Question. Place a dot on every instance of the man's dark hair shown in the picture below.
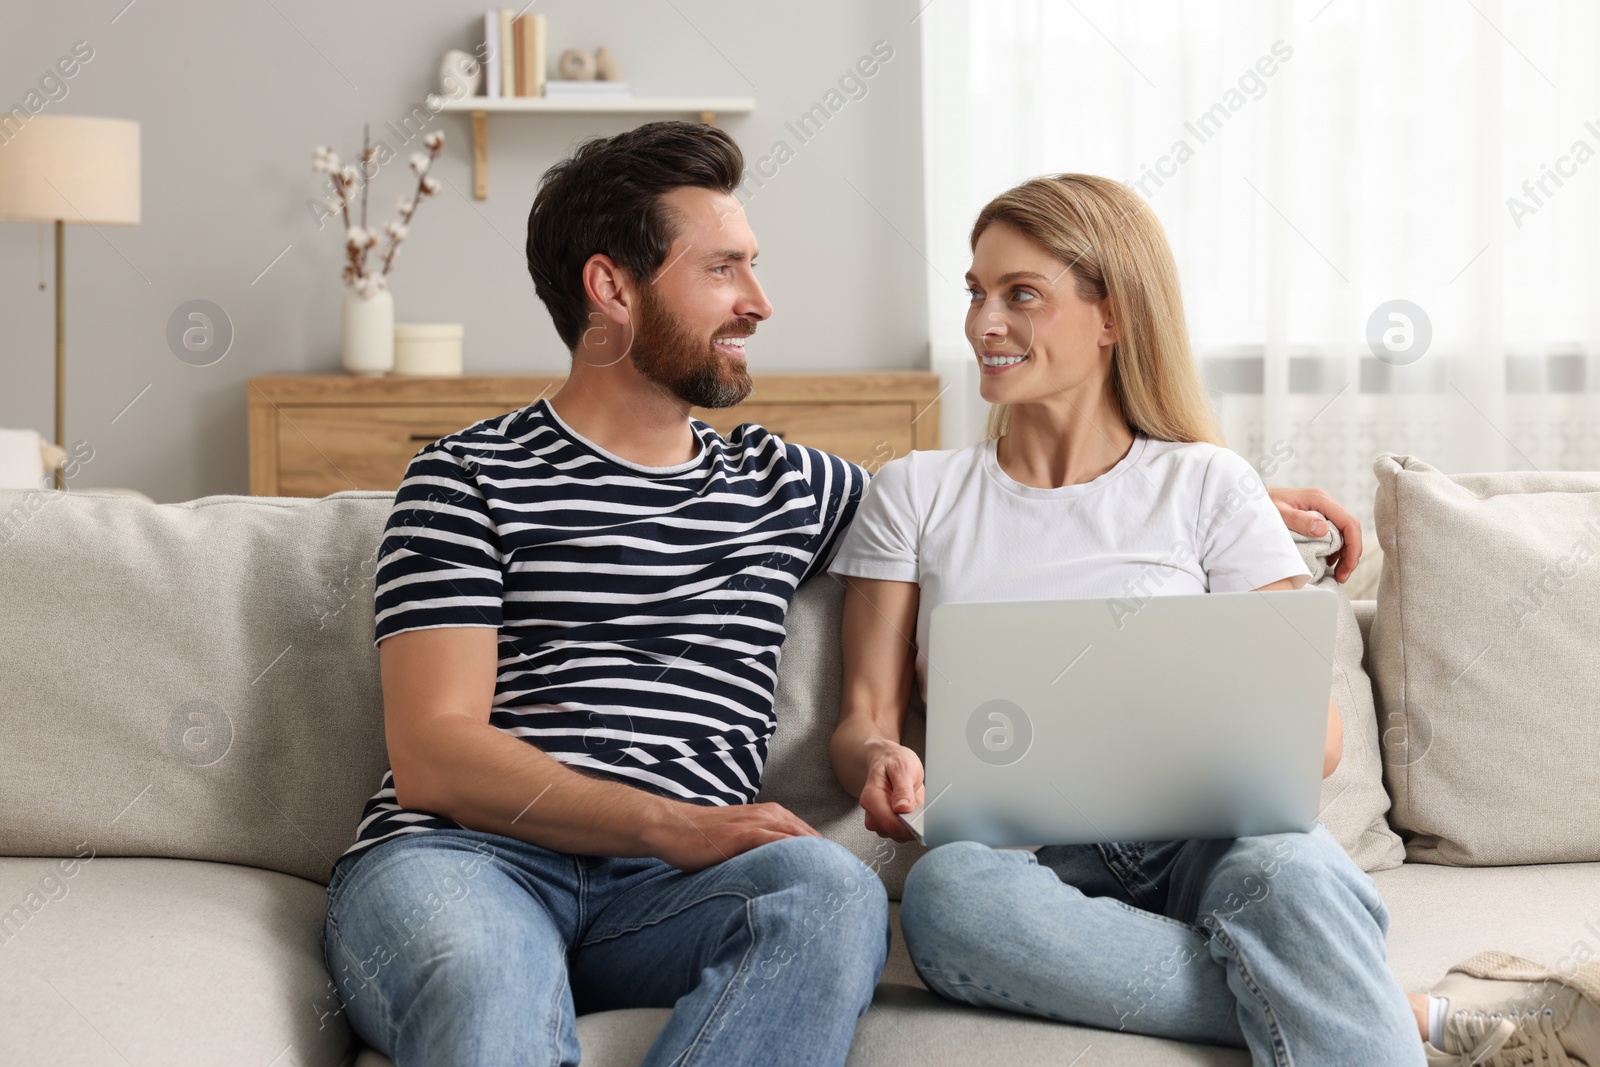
(606, 199)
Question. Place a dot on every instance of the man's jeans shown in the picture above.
(460, 947)
(1271, 943)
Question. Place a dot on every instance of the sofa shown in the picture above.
(192, 723)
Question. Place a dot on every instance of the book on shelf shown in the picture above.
(508, 52)
(590, 90)
(491, 53)
(530, 34)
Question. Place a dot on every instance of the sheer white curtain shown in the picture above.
(1311, 162)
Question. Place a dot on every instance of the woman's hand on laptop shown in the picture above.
(893, 787)
(1304, 511)
(879, 676)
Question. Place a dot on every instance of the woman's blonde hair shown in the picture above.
(1114, 246)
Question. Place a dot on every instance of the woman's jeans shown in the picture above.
(1271, 943)
(460, 947)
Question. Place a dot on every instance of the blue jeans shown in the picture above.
(461, 947)
(1271, 943)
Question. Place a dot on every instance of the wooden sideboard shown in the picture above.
(311, 435)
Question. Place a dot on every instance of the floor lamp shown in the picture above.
(68, 168)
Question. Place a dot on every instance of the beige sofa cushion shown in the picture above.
(191, 680)
(1354, 802)
(1486, 657)
(144, 961)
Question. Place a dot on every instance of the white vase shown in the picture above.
(368, 333)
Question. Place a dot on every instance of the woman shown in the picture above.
(1103, 472)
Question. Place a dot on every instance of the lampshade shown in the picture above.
(71, 167)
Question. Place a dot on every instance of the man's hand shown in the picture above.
(697, 836)
(893, 788)
(1299, 508)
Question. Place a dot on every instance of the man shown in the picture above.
(580, 606)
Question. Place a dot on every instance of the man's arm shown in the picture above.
(438, 688)
(1296, 507)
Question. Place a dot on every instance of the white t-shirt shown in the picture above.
(1169, 518)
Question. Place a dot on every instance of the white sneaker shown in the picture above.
(1506, 1011)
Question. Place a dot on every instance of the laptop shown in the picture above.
(1094, 720)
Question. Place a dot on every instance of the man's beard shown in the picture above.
(667, 352)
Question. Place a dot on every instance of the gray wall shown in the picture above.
(233, 97)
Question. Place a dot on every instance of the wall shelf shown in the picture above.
(706, 107)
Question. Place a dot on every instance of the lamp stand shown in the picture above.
(61, 343)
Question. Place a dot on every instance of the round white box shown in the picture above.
(427, 349)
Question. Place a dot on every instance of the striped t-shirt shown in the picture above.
(640, 609)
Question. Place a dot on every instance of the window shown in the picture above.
(1312, 163)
